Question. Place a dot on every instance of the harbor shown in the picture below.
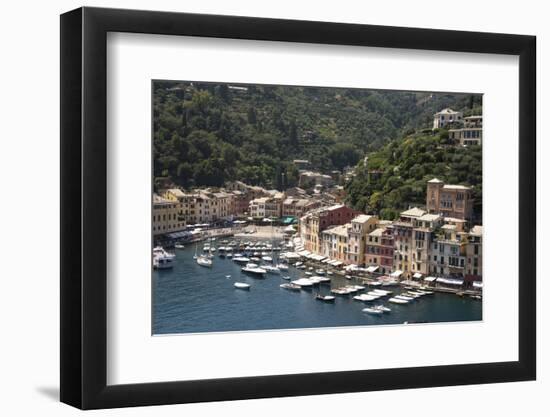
(250, 284)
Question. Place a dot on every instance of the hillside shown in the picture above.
(395, 177)
(206, 133)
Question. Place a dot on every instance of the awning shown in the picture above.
(430, 279)
(266, 220)
(326, 261)
(450, 281)
(477, 284)
(396, 274)
(372, 268)
(336, 263)
(417, 275)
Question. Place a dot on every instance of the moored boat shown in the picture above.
(325, 298)
(290, 286)
(373, 311)
(204, 261)
(241, 285)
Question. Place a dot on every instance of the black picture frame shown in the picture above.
(84, 207)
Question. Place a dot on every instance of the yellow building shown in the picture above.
(166, 218)
(358, 231)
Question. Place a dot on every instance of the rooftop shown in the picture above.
(338, 230)
(176, 192)
(413, 212)
(429, 217)
(377, 232)
(455, 187)
(447, 111)
(362, 218)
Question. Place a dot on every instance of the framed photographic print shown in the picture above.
(257, 208)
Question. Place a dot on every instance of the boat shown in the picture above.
(309, 274)
(228, 276)
(303, 283)
(320, 272)
(321, 280)
(365, 297)
(179, 246)
(254, 269)
(240, 259)
(271, 269)
(161, 262)
(290, 286)
(204, 261)
(396, 300)
(286, 277)
(241, 285)
(404, 297)
(325, 298)
(329, 272)
(159, 250)
(373, 311)
(375, 283)
(348, 276)
(162, 259)
(282, 267)
(383, 308)
(298, 264)
(340, 291)
(382, 292)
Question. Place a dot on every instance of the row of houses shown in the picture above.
(419, 243)
(174, 209)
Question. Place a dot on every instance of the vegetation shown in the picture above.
(206, 133)
(395, 177)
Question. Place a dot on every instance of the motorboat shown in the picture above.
(162, 259)
(340, 291)
(365, 297)
(286, 277)
(159, 250)
(290, 286)
(282, 267)
(303, 282)
(271, 269)
(204, 261)
(325, 298)
(321, 280)
(383, 308)
(329, 272)
(254, 269)
(382, 292)
(373, 311)
(179, 246)
(396, 300)
(375, 283)
(241, 285)
(240, 259)
(162, 262)
(320, 272)
(309, 274)
(404, 297)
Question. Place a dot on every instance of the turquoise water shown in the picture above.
(190, 299)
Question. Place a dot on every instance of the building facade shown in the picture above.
(446, 117)
(449, 200)
(359, 229)
(166, 218)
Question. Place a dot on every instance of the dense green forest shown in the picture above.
(395, 176)
(207, 133)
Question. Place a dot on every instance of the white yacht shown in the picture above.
(254, 269)
(282, 267)
(241, 285)
(240, 259)
(204, 261)
(373, 311)
(271, 269)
